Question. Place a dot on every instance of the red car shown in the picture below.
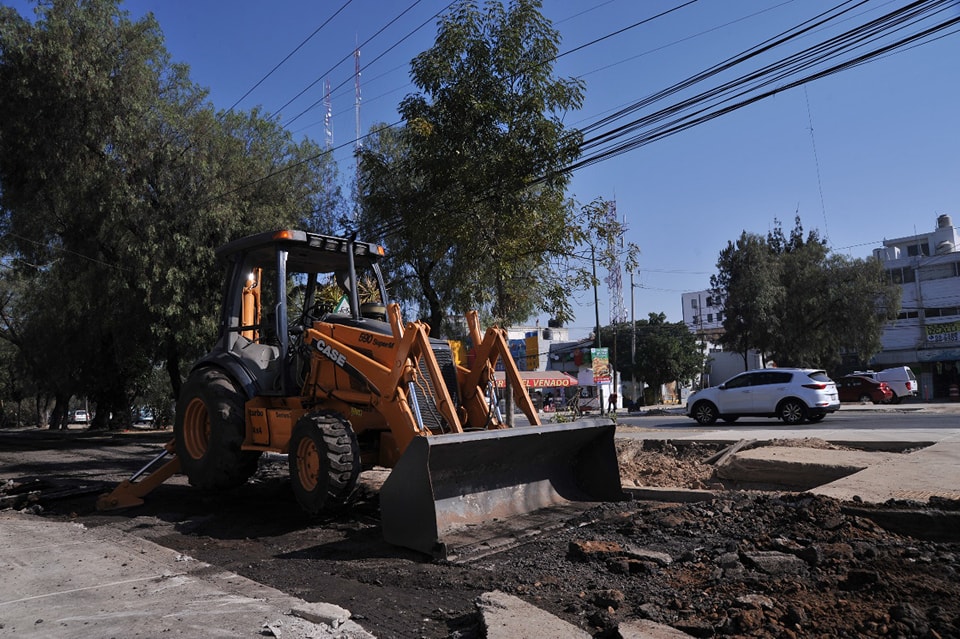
(854, 388)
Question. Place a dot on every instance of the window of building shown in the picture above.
(902, 275)
(943, 311)
(693, 302)
(938, 271)
(921, 248)
(709, 318)
(908, 315)
(709, 301)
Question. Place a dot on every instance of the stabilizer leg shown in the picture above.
(131, 492)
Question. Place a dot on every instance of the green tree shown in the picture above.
(790, 298)
(666, 351)
(469, 194)
(117, 182)
(747, 286)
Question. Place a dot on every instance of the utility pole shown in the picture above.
(596, 309)
(633, 344)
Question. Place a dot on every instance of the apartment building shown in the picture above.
(926, 334)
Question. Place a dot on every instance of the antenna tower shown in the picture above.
(618, 313)
(327, 115)
(356, 75)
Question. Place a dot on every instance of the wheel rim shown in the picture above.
(704, 414)
(865, 399)
(308, 464)
(792, 413)
(196, 428)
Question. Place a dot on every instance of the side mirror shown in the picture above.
(722, 387)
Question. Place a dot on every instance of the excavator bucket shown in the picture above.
(447, 489)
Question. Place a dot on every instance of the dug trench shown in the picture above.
(736, 560)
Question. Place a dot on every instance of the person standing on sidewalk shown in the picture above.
(612, 405)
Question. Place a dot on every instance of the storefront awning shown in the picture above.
(539, 379)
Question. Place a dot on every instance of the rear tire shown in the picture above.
(705, 413)
(209, 431)
(896, 399)
(792, 411)
(324, 459)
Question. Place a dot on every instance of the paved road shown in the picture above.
(935, 418)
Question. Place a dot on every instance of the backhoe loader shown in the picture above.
(312, 361)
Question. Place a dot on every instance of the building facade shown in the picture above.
(703, 315)
(926, 334)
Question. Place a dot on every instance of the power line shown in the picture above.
(289, 55)
(737, 94)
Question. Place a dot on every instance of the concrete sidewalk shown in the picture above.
(66, 580)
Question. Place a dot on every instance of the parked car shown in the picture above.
(80, 417)
(900, 379)
(857, 388)
(793, 395)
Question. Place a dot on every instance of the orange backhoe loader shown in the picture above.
(313, 362)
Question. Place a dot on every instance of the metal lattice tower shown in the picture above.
(356, 71)
(327, 115)
(618, 313)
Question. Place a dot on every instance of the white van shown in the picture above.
(900, 379)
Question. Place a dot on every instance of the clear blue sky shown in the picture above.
(862, 155)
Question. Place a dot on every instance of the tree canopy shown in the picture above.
(468, 194)
(791, 299)
(118, 179)
(665, 351)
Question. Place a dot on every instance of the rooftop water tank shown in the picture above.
(944, 221)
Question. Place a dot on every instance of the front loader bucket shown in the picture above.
(446, 484)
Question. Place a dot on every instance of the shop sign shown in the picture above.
(601, 365)
(947, 332)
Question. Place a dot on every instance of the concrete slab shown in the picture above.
(65, 580)
(507, 617)
(933, 471)
(797, 467)
(645, 629)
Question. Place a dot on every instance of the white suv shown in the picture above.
(791, 394)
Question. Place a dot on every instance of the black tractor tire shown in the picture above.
(209, 431)
(792, 411)
(705, 413)
(324, 459)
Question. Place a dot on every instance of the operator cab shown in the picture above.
(278, 284)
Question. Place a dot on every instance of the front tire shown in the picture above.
(705, 413)
(324, 459)
(866, 399)
(792, 411)
(209, 432)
